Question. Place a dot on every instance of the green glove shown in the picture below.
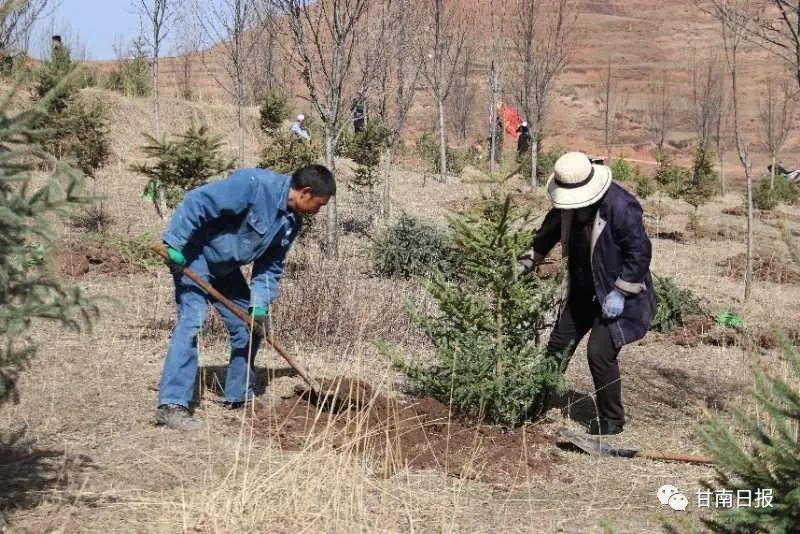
(260, 318)
(176, 256)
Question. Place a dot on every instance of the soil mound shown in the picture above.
(766, 267)
(423, 434)
(92, 257)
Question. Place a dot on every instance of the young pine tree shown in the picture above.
(72, 129)
(490, 362)
(767, 457)
(28, 291)
(190, 161)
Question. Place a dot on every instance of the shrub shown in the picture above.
(80, 135)
(486, 329)
(94, 219)
(71, 128)
(410, 247)
(673, 304)
(274, 110)
(645, 185)
(182, 164)
(428, 151)
(545, 163)
(670, 178)
(131, 76)
(285, 153)
(767, 198)
(53, 79)
(622, 171)
(705, 180)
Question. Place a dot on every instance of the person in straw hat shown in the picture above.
(609, 292)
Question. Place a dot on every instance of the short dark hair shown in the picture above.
(317, 177)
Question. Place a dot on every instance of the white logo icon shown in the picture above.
(678, 502)
(665, 492)
(670, 495)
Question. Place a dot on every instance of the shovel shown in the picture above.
(316, 388)
(596, 446)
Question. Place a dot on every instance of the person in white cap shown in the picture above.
(523, 140)
(609, 288)
(297, 128)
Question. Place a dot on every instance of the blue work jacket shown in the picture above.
(241, 219)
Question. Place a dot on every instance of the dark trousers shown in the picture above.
(582, 314)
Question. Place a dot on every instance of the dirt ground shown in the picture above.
(81, 453)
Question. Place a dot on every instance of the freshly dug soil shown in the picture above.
(693, 331)
(92, 257)
(764, 215)
(766, 267)
(423, 434)
(673, 235)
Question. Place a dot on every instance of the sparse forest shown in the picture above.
(419, 292)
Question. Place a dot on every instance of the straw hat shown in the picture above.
(576, 183)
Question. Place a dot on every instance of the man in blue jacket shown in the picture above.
(252, 216)
(609, 291)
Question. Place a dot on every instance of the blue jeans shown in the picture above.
(180, 366)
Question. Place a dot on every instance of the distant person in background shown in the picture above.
(297, 128)
(523, 140)
(358, 111)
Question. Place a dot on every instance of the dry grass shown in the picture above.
(102, 466)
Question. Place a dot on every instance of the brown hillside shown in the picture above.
(640, 37)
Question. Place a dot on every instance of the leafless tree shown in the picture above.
(777, 115)
(265, 70)
(614, 102)
(733, 17)
(403, 68)
(157, 17)
(497, 59)
(324, 35)
(462, 96)
(543, 40)
(16, 25)
(721, 128)
(660, 109)
(707, 83)
(443, 42)
(235, 27)
(189, 42)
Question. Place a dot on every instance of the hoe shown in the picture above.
(327, 395)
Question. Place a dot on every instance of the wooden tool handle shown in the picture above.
(674, 457)
(159, 249)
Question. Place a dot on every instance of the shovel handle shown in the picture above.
(159, 249)
(674, 457)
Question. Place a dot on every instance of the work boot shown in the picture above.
(176, 417)
(604, 427)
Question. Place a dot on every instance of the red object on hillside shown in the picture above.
(511, 120)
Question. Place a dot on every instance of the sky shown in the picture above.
(95, 24)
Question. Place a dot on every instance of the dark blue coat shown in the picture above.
(620, 254)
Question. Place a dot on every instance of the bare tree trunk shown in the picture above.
(332, 234)
(240, 119)
(772, 172)
(534, 161)
(386, 204)
(721, 171)
(442, 142)
(748, 273)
